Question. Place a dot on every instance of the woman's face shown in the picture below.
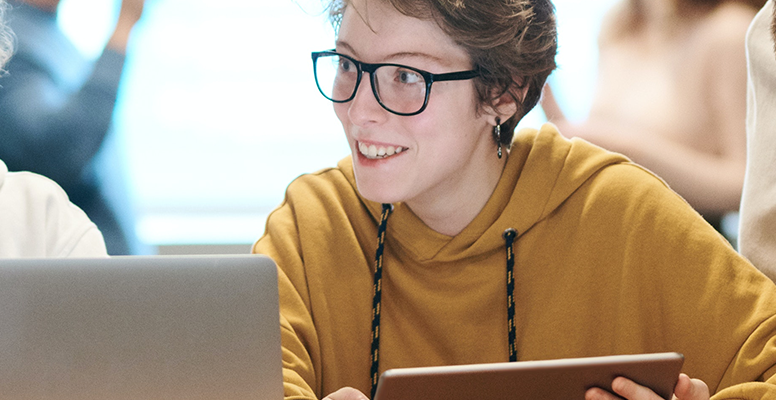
(444, 149)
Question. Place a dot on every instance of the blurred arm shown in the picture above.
(51, 132)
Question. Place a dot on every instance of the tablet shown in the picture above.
(563, 379)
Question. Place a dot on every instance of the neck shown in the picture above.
(658, 13)
(659, 20)
(450, 209)
(657, 10)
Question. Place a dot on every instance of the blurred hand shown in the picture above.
(131, 11)
(346, 393)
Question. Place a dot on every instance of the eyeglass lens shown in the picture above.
(401, 90)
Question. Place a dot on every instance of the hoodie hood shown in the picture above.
(543, 170)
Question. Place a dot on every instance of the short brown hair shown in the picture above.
(512, 43)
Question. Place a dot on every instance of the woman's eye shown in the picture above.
(346, 65)
(408, 76)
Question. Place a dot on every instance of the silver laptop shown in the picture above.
(197, 327)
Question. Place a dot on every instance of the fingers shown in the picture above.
(346, 393)
(599, 394)
(690, 389)
(625, 388)
(686, 389)
(631, 390)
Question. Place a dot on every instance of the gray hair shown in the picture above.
(6, 38)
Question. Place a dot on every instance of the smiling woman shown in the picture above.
(471, 245)
(447, 145)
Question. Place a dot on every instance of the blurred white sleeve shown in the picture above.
(757, 237)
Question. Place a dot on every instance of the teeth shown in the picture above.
(374, 152)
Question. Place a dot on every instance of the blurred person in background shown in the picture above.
(36, 217)
(56, 109)
(758, 205)
(671, 95)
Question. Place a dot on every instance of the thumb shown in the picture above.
(346, 393)
(690, 389)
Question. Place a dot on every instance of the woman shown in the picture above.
(671, 95)
(546, 249)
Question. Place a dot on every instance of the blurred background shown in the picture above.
(218, 109)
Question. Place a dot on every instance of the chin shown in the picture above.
(381, 193)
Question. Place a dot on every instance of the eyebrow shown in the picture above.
(404, 54)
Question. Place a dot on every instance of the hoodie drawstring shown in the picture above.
(376, 296)
(509, 239)
(509, 236)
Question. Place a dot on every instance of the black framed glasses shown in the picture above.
(398, 88)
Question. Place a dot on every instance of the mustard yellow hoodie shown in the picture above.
(608, 260)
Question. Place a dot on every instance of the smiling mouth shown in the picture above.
(377, 152)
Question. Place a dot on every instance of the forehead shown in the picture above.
(375, 31)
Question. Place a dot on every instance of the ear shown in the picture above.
(504, 107)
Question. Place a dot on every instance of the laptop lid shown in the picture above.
(163, 327)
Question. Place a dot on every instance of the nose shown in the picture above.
(364, 108)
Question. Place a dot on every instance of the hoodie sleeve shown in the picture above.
(700, 294)
(756, 353)
(298, 335)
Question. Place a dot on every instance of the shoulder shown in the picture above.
(635, 197)
(325, 184)
(631, 182)
(720, 45)
(733, 12)
(317, 207)
(39, 220)
(331, 192)
(726, 25)
(30, 189)
(629, 205)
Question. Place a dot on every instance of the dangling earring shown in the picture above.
(497, 134)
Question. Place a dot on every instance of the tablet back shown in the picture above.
(564, 379)
(203, 327)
